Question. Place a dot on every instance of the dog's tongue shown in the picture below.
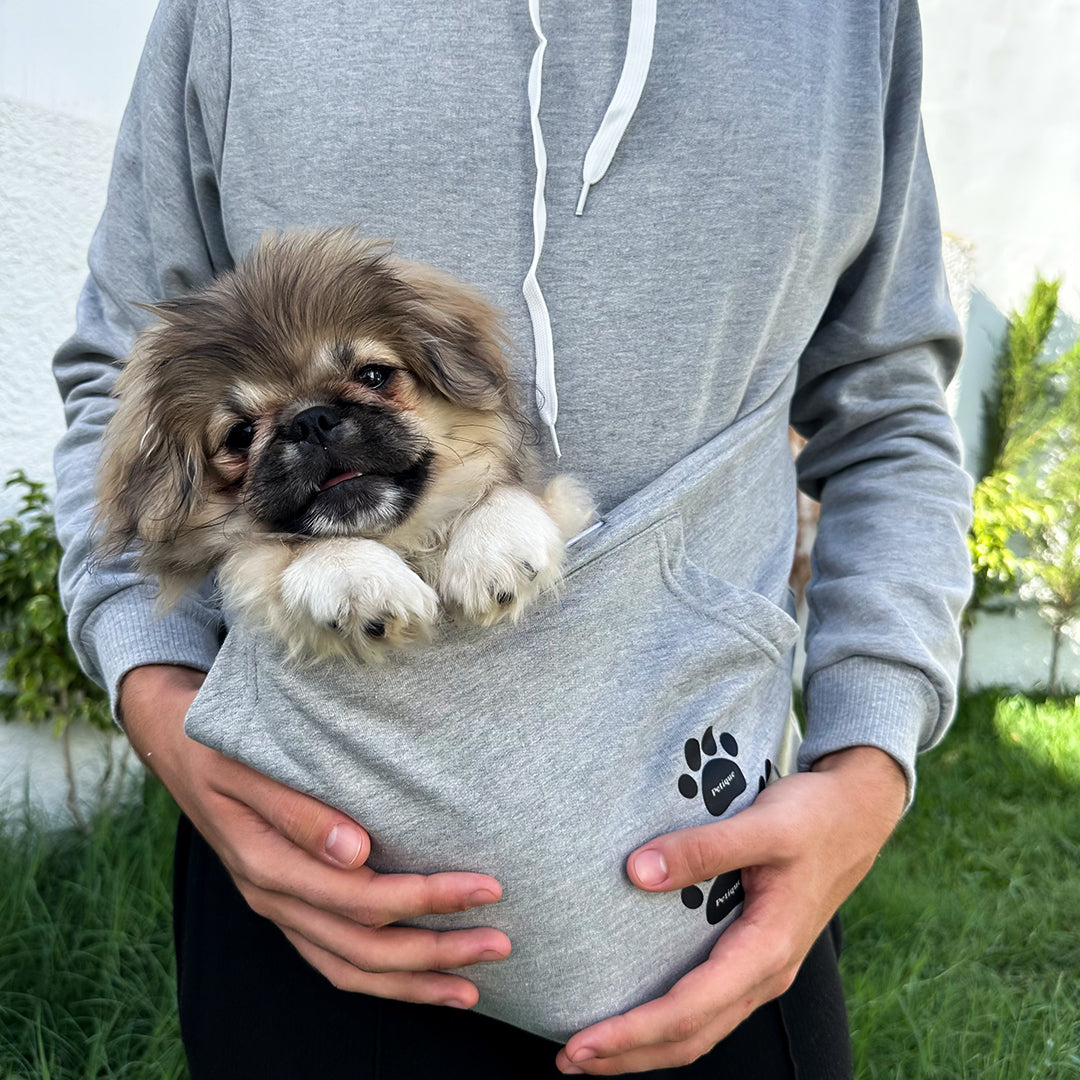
(338, 479)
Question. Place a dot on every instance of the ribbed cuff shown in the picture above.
(127, 630)
(863, 701)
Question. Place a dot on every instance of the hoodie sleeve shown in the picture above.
(160, 234)
(890, 564)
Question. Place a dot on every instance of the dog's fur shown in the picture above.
(335, 431)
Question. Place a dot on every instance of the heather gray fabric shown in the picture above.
(545, 752)
(766, 238)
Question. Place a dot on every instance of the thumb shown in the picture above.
(681, 858)
(320, 830)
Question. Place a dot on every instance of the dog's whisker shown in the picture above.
(451, 449)
(477, 445)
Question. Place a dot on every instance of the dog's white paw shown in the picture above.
(502, 554)
(358, 593)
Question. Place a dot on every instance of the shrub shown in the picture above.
(44, 681)
(1026, 532)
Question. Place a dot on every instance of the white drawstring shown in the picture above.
(624, 101)
(601, 150)
(547, 400)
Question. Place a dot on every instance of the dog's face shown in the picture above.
(340, 447)
(320, 389)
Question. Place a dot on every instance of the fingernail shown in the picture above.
(572, 1070)
(586, 1053)
(454, 1003)
(344, 844)
(492, 954)
(481, 896)
(650, 867)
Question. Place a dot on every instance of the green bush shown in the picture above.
(1025, 538)
(44, 681)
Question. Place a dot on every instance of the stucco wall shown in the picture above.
(1002, 117)
(54, 171)
(65, 70)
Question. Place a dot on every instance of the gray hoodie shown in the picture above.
(764, 245)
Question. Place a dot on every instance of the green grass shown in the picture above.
(86, 966)
(963, 945)
(962, 956)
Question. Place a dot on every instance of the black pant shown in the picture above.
(251, 1007)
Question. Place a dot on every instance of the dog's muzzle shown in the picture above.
(340, 470)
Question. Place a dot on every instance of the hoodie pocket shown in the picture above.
(748, 614)
(543, 753)
(750, 617)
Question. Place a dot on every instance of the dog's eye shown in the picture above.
(239, 438)
(374, 375)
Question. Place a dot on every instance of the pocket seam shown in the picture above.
(603, 553)
(673, 557)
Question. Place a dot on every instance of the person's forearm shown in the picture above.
(160, 232)
(151, 703)
(891, 570)
(877, 783)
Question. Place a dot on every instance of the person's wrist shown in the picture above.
(154, 698)
(143, 682)
(875, 779)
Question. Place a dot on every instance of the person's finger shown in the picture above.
(753, 961)
(425, 988)
(677, 859)
(392, 948)
(660, 1056)
(310, 824)
(366, 897)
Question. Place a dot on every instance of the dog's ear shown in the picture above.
(462, 346)
(150, 482)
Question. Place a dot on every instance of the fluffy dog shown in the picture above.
(335, 432)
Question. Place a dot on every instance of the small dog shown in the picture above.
(334, 431)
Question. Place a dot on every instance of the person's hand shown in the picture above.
(803, 846)
(300, 863)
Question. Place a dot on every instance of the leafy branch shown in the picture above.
(44, 683)
(1026, 531)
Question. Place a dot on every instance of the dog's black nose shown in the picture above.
(313, 425)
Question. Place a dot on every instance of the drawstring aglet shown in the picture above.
(554, 439)
(581, 200)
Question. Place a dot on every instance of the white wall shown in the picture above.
(65, 70)
(1013, 647)
(53, 171)
(72, 57)
(1001, 108)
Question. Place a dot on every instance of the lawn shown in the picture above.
(86, 966)
(963, 945)
(962, 957)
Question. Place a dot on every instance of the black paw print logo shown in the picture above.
(722, 781)
(724, 897)
(770, 772)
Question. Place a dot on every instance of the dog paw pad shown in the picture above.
(692, 897)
